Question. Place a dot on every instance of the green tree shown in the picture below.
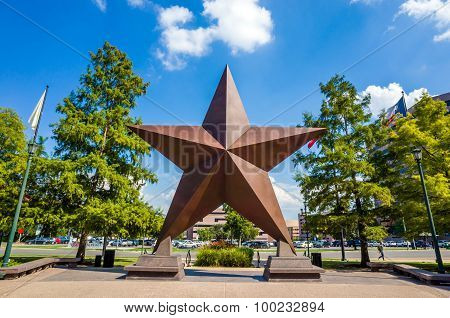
(218, 232)
(145, 221)
(13, 157)
(37, 207)
(429, 129)
(101, 158)
(205, 234)
(338, 178)
(239, 227)
(376, 233)
(42, 204)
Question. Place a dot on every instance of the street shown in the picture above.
(391, 254)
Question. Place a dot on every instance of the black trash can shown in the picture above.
(316, 259)
(109, 258)
(98, 261)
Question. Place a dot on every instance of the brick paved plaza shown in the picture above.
(201, 283)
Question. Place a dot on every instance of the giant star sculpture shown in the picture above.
(225, 161)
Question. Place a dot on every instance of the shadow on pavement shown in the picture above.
(220, 275)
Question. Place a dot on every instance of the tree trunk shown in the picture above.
(105, 242)
(342, 245)
(81, 252)
(364, 248)
(361, 229)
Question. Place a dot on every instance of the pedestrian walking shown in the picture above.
(380, 248)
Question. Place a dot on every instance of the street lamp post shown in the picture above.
(307, 232)
(417, 152)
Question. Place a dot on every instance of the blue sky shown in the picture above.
(278, 51)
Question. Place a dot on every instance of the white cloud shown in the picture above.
(241, 24)
(179, 41)
(442, 37)
(101, 4)
(289, 198)
(159, 196)
(385, 97)
(438, 9)
(136, 3)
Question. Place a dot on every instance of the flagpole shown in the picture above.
(31, 149)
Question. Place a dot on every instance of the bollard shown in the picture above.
(98, 261)
(109, 258)
(316, 259)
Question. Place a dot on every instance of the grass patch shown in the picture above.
(352, 265)
(432, 267)
(13, 261)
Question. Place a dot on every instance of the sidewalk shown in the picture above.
(213, 283)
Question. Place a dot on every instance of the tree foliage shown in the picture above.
(215, 232)
(428, 128)
(101, 158)
(338, 177)
(13, 156)
(240, 228)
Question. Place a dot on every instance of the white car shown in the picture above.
(186, 244)
(404, 244)
(303, 244)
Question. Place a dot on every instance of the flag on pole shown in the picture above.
(34, 118)
(398, 109)
(311, 143)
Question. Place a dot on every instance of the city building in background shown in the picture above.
(218, 217)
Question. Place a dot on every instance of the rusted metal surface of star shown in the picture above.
(225, 161)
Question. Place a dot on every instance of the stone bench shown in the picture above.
(34, 266)
(156, 267)
(291, 268)
(423, 275)
(376, 266)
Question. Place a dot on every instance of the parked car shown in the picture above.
(303, 244)
(258, 244)
(422, 244)
(150, 242)
(115, 243)
(41, 241)
(187, 244)
(127, 243)
(337, 243)
(317, 244)
(63, 239)
(442, 243)
(390, 244)
(354, 243)
(404, 244)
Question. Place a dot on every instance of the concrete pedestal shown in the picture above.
(291, 268)
(156, 267)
